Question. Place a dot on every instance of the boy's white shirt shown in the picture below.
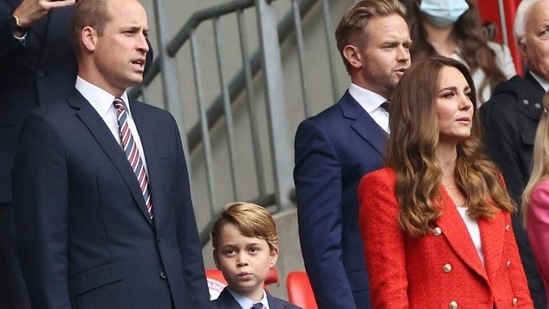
(247, 303)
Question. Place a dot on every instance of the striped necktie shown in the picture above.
(132, 153)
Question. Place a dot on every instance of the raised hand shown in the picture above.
(30, 11)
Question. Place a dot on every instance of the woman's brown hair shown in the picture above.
(412, 152)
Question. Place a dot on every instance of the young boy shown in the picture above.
(245, 245)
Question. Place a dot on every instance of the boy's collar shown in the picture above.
(245, 302)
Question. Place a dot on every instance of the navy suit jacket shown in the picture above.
(333, 150)
(84, 236)
(37, 74)
(227, 301)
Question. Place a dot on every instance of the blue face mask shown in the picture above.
(443, 13)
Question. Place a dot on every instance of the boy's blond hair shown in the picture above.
(251, 220)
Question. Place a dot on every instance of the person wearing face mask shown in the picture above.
(453, 29)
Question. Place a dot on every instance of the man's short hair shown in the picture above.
(523, 11)
(93, 13)
(352, 26)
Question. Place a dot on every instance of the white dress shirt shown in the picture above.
(247, 303)
(102, 102)
(371, 103)
(543, 83)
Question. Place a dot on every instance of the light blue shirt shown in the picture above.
(247, 303)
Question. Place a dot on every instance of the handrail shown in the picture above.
(277, 33)
(238, 83)
(206, 14)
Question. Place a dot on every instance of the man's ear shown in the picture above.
(353, 56)
(88, 36)
(523, 49)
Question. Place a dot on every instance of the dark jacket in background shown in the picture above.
(510, 119)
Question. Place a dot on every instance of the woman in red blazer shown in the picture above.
(436, 221)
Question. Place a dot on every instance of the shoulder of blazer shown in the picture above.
(225, 301)
(346, 107)
(277, 303)
(350, 107)
(144, 108)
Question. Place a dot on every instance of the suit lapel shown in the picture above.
(112, 149)
(363, 123)
(275, 303)
(455, 231)
(151, 153)
(227, 301)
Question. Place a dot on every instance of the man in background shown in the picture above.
(37, 66)
(334, 149)
(511, 117)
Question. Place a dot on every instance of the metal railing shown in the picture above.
(233, 117)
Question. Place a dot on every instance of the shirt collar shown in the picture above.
(246, 303)
(543, 83)
(100, 99)
(368, 99)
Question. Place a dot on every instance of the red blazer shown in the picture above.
(441, 269)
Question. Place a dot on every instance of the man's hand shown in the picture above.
(30, 11)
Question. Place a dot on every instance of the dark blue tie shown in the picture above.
(258, 306)
(385, 105)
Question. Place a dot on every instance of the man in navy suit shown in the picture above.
(334, 149)
(90, 235)
(37, 66)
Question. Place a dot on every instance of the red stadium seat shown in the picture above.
(299, 290)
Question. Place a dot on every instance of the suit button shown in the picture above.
(158, 240)
(453, 305)
(437, 231)
(40, 74)
(163, 275)
(525, 102)
(447, 268)
(508, 264)
(515, 301)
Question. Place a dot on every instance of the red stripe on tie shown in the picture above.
(133, 156)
